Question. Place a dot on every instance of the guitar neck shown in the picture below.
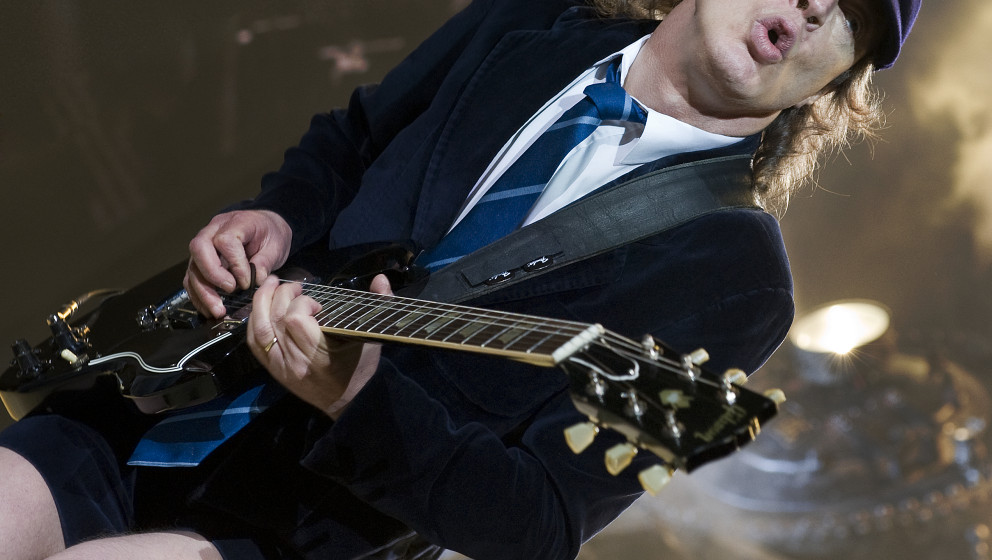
(535, 340)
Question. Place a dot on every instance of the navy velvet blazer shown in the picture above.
(468, 451)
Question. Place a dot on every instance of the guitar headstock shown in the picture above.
(663, 402)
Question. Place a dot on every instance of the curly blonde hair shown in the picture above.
(800, 137)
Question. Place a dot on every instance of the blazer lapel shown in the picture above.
(527, 68)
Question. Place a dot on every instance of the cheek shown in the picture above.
(844, 50)
(831, 64)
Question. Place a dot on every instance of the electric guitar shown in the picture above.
(163, 355)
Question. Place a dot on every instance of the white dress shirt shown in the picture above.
(609, 152)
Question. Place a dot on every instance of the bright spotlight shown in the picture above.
(840, 327)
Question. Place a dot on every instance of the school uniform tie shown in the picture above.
(505, 206)
(186, 437)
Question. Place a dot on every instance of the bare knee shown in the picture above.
(146, 546)
(29, 521)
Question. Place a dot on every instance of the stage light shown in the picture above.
(840, 327)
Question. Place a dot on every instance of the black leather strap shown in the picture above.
(598, 223)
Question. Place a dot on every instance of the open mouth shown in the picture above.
(771, 39)
(779, 34)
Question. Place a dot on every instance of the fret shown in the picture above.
(532, 339)
(489, 331)
(393, 309)
(512, 335)
(468, 331)
(430, 327)
(546, 338)
(329, 314)
(441, 322)
(345, 314)
(411, 320)
(529, 340)
(371, 314)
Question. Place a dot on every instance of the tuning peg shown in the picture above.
(732, 377)
(619, 457)
(699, 356)
(735, 376)
(635, 407)
(580, 436)
(654, 478)
(650, 347)
(776, 395)
(672, 423)
(692, 361)
(597, 387)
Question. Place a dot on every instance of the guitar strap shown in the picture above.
(598, 223)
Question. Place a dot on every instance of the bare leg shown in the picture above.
(29, 521)
(146, 546)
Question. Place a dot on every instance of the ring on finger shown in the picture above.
(271, 343)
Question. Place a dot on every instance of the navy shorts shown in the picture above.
(251, 497)
(97, 496)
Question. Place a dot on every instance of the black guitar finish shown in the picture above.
(162, 355)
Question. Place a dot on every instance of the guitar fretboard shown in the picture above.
(535, 340)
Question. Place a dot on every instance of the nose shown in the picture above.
(816, 11)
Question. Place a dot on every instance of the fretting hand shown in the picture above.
(325, 371)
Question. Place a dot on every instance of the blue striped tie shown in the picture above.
(505, 205)
(186, 437)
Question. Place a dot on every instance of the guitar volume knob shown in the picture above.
(64, 336)
(28, 364)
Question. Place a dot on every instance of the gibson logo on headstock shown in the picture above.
(732, 414)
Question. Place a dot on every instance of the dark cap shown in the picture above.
(899, 17)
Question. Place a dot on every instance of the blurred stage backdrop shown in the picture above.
(125, 125)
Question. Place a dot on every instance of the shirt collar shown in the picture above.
(663, 135)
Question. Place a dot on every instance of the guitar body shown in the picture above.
(160, 353)
(150, 345)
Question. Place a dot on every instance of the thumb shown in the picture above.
(380, 285)
(264, 261)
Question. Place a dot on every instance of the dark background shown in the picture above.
(124, 125)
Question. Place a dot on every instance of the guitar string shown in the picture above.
(651, 405)
(343, 316)
(440, 325)
(241, 298)
(545, 326)
(405, 305)
(504, 319)
(537, 333)
(435, 310)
